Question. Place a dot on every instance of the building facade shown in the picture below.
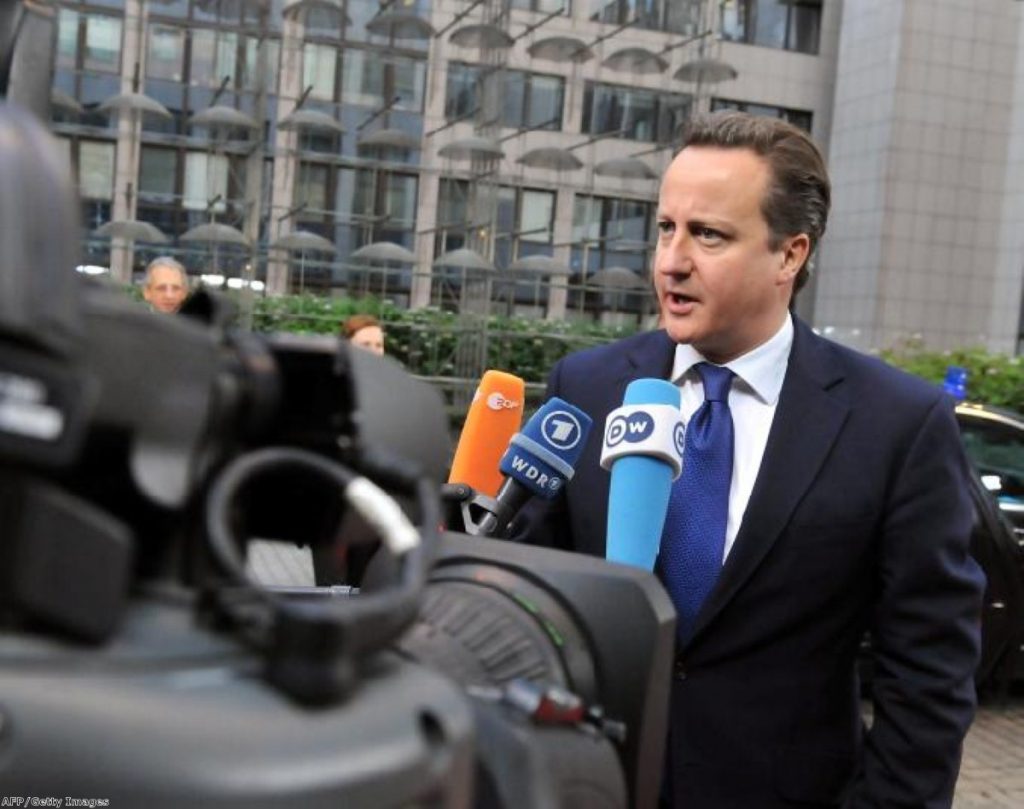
(511, 148)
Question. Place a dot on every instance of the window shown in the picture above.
(206, 178)
(251, 80)
(525, 219)
(67, 39)
(800, 118)
(996, 446)
(792, 25)
(543, 5)
(319, 69)
(164, 52)
(96, 169)
(608, 232)
(374, 78)
(637, 114)
(100, 39)
(157, 170)
(311, 188)
(528, 100)
(102, 44)
(674, 16)
(214, 57)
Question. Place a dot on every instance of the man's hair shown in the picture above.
(165, 261)
(799, 193)
(356, 323)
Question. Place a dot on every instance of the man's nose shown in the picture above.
(675, 257)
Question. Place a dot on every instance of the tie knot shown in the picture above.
(717, 380)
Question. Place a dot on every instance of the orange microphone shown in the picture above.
(494, 416)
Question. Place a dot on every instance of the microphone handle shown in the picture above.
(512, 496)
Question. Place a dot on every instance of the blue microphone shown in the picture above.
(643, 447)
(539, 461)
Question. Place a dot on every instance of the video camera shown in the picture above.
(139, 663)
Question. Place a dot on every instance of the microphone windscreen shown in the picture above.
(494, 416)
(640, 483)
(543, 456)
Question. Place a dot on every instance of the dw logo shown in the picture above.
(633, 428)
(679, 438)
(561, 429)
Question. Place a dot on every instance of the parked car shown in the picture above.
(994, 439)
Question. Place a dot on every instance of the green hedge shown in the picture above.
(425, 342)
(995, 379)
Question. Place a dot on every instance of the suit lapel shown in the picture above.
(806, 424)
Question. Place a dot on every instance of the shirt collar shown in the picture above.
(762, 369)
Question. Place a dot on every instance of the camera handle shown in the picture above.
(312, 648)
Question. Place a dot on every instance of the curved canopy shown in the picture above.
(471, 147)
(561, 49)
(393, 138)
(384, 251)
(551, 157)
(221, 115)
(706, 70)
(131, 230)
(636, 60)
(295, 7)
(616, 278)
(400, 25)
(539, 265)
(631, 168)
(61, 100)
(303, 240)
(215, 233)
(481, 35)
(303, 118)
(134, 102)
(464, 258)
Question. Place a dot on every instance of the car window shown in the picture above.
(998, 452)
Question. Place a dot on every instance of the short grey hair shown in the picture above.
(165, 261)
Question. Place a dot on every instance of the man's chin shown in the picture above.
(681, 330)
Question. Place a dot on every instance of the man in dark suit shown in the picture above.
(847, 506)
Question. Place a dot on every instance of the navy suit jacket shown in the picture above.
(859, 520)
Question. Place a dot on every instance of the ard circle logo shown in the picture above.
(561, 429)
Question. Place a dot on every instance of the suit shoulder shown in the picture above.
(599, 356)
(876, 380)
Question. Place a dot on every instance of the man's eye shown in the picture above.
(707, 234)
(665, 227)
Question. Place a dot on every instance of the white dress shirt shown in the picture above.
(752, 400)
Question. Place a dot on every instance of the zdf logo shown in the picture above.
(498, 401)
(632, 428)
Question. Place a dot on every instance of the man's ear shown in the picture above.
(794, 251)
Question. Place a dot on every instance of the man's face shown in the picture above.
(166, 290)
(720, 285)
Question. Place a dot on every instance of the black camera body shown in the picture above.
(139, 453)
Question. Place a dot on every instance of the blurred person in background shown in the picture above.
(166, 285)
(364, 331)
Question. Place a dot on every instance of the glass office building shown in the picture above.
(408, 148)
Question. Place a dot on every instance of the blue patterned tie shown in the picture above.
(693, 542)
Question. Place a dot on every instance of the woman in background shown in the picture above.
(364, 331)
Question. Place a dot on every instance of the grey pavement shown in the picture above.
(992, 771)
